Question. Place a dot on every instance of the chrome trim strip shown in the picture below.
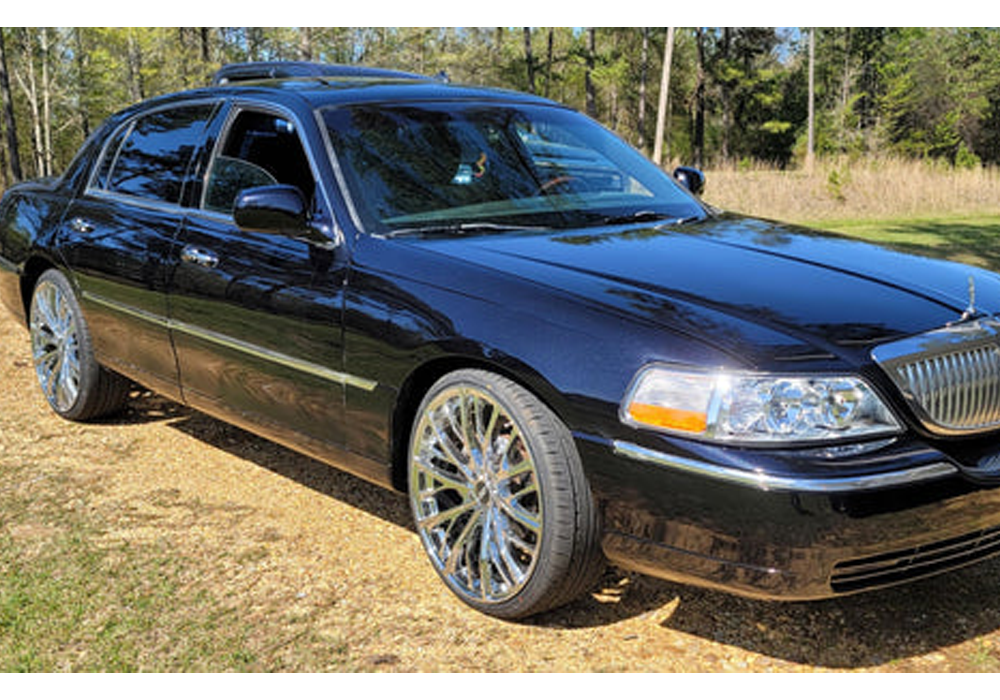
(767, 482)
(275, 357)
(225, 341)
(127, 310)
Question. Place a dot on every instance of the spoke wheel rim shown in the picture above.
(55, 346)
(475, 494)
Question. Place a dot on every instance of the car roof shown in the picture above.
(263, 70)
(299, 85)
(321, 84)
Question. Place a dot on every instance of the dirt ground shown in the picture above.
(339, 557)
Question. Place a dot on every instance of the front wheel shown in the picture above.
(75, 385)
(500, 500)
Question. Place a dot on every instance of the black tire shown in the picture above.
(74, 384)
(493, 470)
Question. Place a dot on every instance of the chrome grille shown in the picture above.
(959, 391)
(950, 377)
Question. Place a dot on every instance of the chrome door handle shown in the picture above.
(199, 256)
(81, 225)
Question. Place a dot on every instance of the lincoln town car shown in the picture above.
(557, 350)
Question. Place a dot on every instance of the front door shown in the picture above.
(256, 317)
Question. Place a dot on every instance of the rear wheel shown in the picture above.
(501, 504)
(75, 385)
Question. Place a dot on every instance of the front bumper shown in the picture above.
(798, 527)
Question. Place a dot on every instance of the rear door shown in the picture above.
(118, 239)
(257, 316)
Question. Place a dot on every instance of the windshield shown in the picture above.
(466, 167)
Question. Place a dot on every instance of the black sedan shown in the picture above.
(489, 302)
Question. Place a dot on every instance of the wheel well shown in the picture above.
(416, 387)
(33, 269)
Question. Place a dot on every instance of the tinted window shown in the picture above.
(110, 154)
(260, 149)
(152, 161)
(455, 165)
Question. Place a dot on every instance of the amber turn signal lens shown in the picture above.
(669, 418)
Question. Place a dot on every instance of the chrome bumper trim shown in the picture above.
(768, 482)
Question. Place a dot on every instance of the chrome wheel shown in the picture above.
(55, 345)
(475, 492)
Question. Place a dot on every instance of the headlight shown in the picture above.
(744, 407)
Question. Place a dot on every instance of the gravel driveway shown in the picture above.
(338, 555)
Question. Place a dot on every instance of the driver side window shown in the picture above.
(260, 149)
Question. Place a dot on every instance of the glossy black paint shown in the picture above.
(326, 339)
(273, 209)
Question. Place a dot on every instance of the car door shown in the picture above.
(257, 315)
(118, 238)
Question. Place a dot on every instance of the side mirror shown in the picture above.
(272, 209)
(692, 178)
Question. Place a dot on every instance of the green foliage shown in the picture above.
(735, 92)
(938, 82)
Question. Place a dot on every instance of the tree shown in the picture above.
(10, 124)
(938, 87)
(731, 93)
(590, 60)
(661, 111)
(811, 142)
(529, 60)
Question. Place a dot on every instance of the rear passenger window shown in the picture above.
(152, 160)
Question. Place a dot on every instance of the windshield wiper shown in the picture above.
(646, 216)
(463, 228)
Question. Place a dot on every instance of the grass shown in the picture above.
(968, 239)
(854, 190)
(917, 207)
(71, 601)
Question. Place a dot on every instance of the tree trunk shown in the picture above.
(661, 111)
(48, 161)
(643, 89)
(699, 104)
(10, 124)
(811, 140)
(529, 58)
(589, 79)
(305, 44)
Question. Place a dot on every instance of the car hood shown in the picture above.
(758, 290)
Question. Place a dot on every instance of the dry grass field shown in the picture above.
(846, 189)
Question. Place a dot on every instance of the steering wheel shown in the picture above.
(555, 183)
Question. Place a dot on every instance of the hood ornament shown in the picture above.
(970, 310)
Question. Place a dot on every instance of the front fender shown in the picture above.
(404, 328)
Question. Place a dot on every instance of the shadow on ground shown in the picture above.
(973, 242)
(861, 631)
